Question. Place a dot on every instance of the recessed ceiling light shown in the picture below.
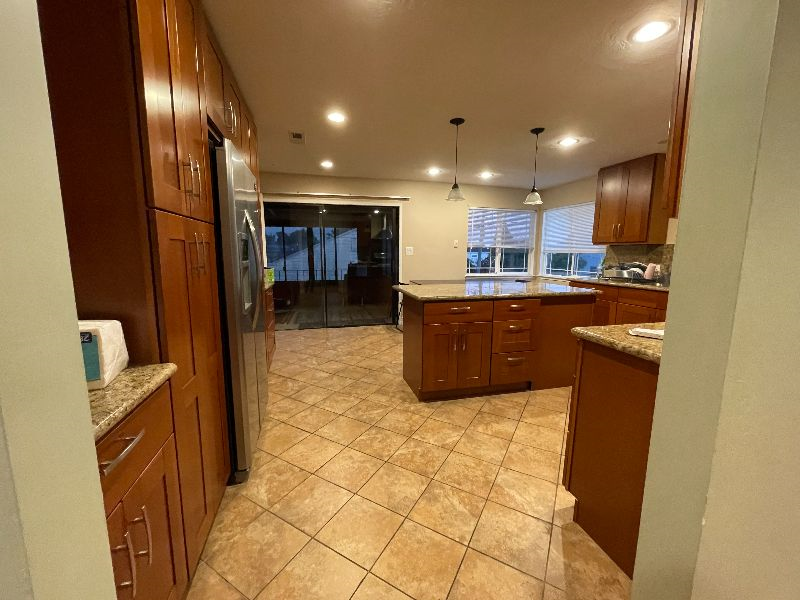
(434, 171)
(486, 175)
(336, 117)
(568, 141)
(326, 164)
(651, 31)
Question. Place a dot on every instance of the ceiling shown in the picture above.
(400, 69)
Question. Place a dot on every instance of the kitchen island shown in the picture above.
(490, 336)
(608, 439)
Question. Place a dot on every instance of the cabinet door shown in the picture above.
(215, 87)
(233, 110)
(123, 560)
(439, 357)
(153, 519)
(604, 312)
(190, 338)
(245, 138)
(167, 166)
(254, 152)
(628, 313)
(474, 354)
(609, 210)
(633, 227)
(187, 21)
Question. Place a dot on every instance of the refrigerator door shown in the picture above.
(243, 284)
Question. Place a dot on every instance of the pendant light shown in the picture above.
(533, 198)
(456, 195)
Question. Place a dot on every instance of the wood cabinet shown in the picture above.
(618, 305)
(485, 346)
(607, 446)
(143, 503)
(691, 18)
(185, 251)
(629, 207)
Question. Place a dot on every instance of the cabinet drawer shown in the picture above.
(127, 449)
(646, 298)
(457, 312)
(514, 367)
(513, 336)
(523, 308)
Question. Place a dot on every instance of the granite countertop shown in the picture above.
(118, 399)
(642, 286)
(488, 290)
(618, 338)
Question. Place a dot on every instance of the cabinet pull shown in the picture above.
(188, 189)
(455, 341)
(197, 249)
(512, 327)
(206, 244)
(620, 229)
(460, 309)
(516, 307)
(463, 342)
(228, 108)
(146, 520)
(107, 466)
(199, 193)
(131, 561)
(514, 360)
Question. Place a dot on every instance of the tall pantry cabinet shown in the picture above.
(128, 106)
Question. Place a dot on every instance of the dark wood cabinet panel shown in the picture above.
(475, 347)
(152, 515)
(188, 286)
(458, 312)
(608, 445)
(440, 357)
(123, 561)
(213, 68)
(514, 310)
(554, 364)
(233, 108)
(604, 313)
(691, 18)
(633, 226)
(516, 367)
(609, 211)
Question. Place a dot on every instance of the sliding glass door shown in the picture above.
(334, 265)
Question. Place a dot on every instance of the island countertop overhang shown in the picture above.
(488, 290)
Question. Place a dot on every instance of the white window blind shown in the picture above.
(496, 228)
(569, 229)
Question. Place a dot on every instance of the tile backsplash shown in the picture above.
(643, 253)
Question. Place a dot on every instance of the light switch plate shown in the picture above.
(455, 243)
(409, 250)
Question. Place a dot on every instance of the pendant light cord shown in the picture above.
(455, 176)
(535, 160)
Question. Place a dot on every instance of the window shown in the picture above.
(499, 241)
(567, 248)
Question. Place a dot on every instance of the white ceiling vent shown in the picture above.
(297, 137)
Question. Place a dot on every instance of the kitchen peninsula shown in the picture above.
(608, 440)
(490, 336)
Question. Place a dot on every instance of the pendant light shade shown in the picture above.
(534, 198)
(456, 195)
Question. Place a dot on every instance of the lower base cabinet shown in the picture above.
(616, 305)
(143, 505)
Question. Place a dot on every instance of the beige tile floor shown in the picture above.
(360, 491)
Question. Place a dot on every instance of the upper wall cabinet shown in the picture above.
(691, 17)
(630, 206)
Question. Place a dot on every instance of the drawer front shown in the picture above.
(514, 367)
(648, 298)
(513, 336)
(604, 292)
(126, 450)
(523, 308)
(457, 312)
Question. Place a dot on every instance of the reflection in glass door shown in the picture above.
(334, 265)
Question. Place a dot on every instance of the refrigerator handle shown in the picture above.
(257, 251)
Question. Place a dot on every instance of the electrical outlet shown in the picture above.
(455, 243)
(409, 250)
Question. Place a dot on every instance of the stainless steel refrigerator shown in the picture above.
(241, 259)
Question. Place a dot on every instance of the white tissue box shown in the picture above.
(104, 352)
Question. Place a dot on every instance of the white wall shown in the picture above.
(54, 541)
(720, 518)
(429, 223)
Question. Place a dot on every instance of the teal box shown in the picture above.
(91, 356)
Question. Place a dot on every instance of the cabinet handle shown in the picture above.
(146, 520)
(460, 309)
(206, 244)
(228, 108)
(131, 561)
(455, 342)
(200, 262)
(199, 193)
(107, 466)
(188, 189)
(463, 342)
(620, 229)
(514, 360)
(516, 307)
(512, 327)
